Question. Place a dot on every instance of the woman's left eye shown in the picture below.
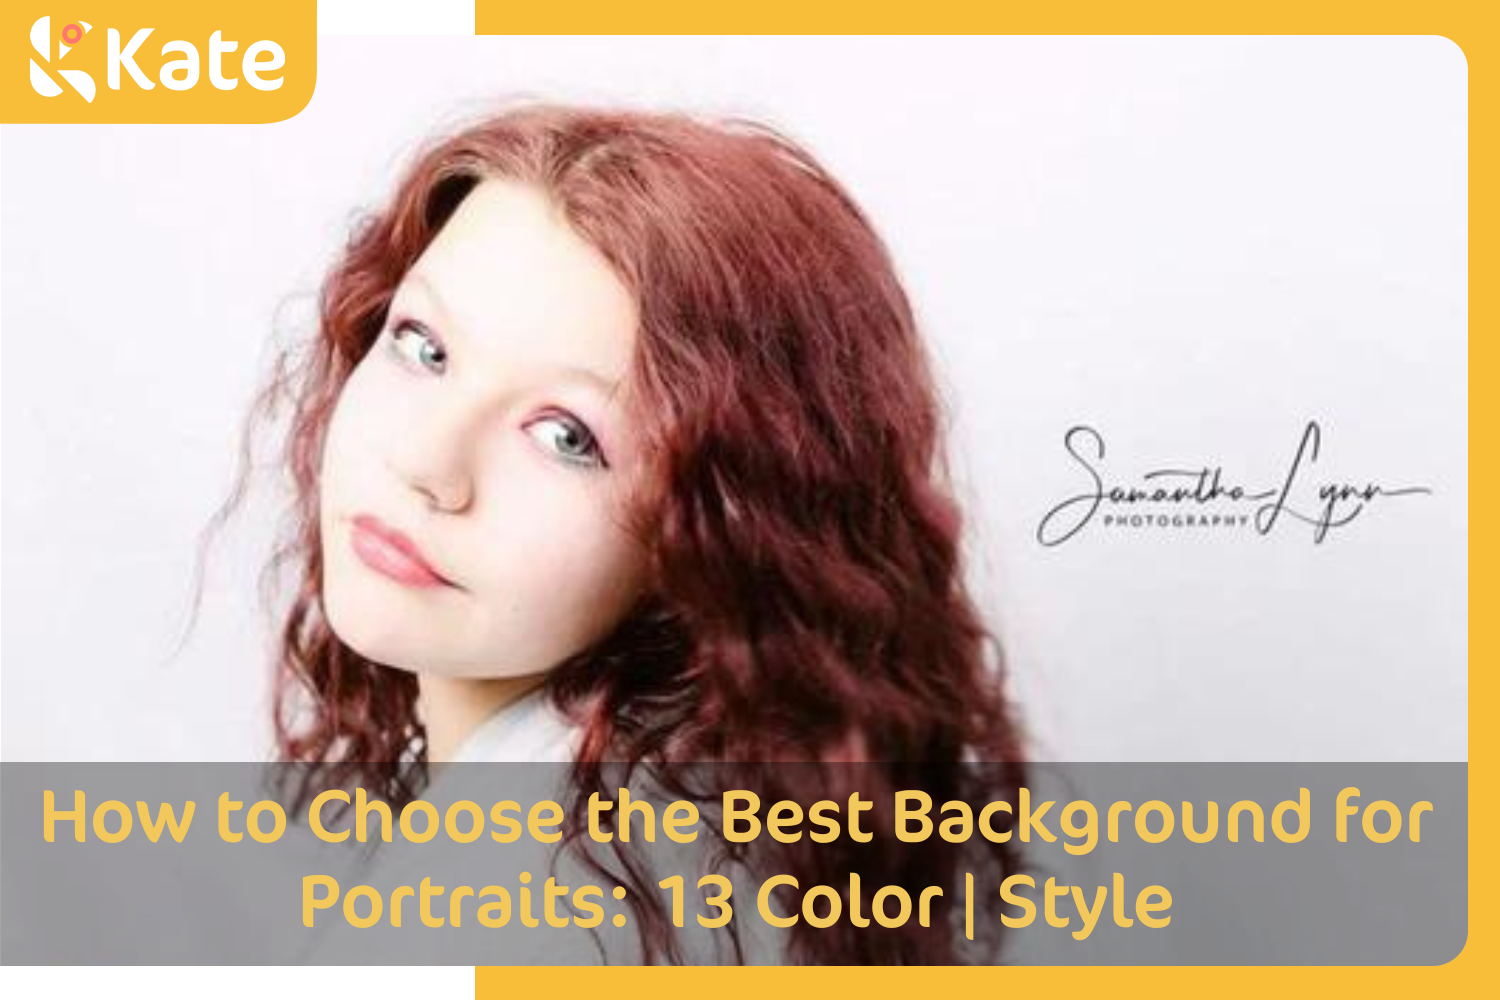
(569, 439)
(415, 345)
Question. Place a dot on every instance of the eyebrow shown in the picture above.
(575, 373)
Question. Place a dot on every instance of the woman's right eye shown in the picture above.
(414, 344)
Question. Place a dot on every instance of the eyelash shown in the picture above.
(594, 456)
(396, 338)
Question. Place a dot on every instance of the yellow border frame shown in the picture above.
(1471, 26)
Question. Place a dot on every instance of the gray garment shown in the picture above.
(528, 729)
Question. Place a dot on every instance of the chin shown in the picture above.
(367, 630)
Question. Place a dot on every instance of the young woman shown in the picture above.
(618, 444)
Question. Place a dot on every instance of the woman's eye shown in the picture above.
(569, 439)
(415, 345)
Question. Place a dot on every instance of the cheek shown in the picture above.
(560, 552)
(359, 421)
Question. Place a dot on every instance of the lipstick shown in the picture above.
(391, 554)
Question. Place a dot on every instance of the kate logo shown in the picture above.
(41, 40)
(149, 62)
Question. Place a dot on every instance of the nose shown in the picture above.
(434, 457)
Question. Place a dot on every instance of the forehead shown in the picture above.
(511, 275)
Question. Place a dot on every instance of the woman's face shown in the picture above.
(486, 431)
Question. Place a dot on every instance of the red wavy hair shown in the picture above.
(809, 601)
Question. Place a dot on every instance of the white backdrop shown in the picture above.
(1193, 245)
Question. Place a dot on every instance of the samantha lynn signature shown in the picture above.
(1337, 504)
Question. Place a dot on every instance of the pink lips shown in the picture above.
(390, 553)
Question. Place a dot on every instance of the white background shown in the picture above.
(1194, 244)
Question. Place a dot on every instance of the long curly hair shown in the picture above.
(808, 602)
